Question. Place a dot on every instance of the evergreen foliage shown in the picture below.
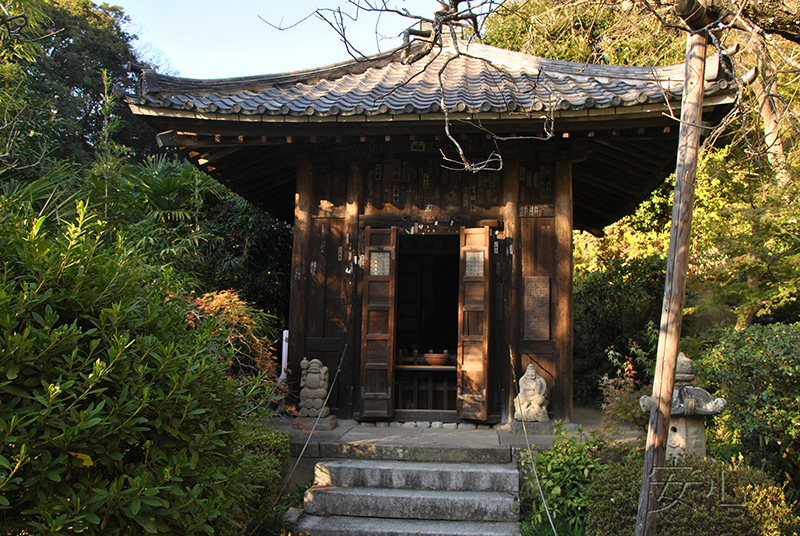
(79, 40)
(701, 497)
(127, 406)
(747, 239)
(563, 471)
(757, 370)
(249, 250)
(616, 306)
(116, 414)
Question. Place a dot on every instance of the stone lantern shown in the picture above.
(690, 406)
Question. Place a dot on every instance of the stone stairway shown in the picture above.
(399, 498)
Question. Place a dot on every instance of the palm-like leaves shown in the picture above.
(168, 188)
(48, 195)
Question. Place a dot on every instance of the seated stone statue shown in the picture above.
(313, 388)
(531, 402)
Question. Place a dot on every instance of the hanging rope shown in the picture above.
(308, 440)
(528, 446)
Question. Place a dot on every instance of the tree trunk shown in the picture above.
(772, 114)
(747, 312)
(773, 16)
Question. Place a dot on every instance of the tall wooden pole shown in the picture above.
(675, 285)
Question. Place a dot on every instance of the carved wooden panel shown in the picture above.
(536, 309)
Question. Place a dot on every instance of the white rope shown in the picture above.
(533, 461)
(308, 439)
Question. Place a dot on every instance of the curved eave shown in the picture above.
(569, 115)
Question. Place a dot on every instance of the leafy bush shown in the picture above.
(248, 250)
(701, 497)
(210, 234)
(250, 331)
(621, 396)
(264, 456)
(615, 307)
(562, 528)
(757, 370)
(114, 412)
(564, 471)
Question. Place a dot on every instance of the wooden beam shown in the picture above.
(675, 285)
(619, 155)
(212, 157)
(256, 130)
(654, 148)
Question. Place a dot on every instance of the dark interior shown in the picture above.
(427, 294)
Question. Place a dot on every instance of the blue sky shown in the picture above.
(226, 38)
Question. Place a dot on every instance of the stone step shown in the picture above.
(416, 453)
(417, 475)
(410, 504)
(362, 526)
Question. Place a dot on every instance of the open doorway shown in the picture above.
(427, 322)
(427, 294)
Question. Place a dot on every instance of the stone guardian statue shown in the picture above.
(531, 403)
(313, 388)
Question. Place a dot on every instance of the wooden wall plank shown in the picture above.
(334, 283)
(317, 269)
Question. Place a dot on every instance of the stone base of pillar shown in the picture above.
(325, 424)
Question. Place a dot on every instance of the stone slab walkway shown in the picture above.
(498, 444)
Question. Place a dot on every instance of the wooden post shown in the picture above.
(352, 317)
(300, 271)
(511, 227)
(675, 285)
(562, 391)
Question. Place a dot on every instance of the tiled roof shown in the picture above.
(250, 133)
(469, 77)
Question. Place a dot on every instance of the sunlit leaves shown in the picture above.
(757, 370)
(585, 32)
(564, 473)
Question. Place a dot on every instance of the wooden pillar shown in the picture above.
(512, 310)
(675, 284)
(562, 290)
(351, 314)
(300, 268)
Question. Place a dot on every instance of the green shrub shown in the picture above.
(114, 413)
(701, 496)
(615, 308)
(564, 471)
(562, 528)
(757, 370)
(264, 456)
(621, 396)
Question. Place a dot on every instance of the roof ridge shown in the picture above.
(154, 82)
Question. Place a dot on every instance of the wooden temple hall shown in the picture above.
(399, 252)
